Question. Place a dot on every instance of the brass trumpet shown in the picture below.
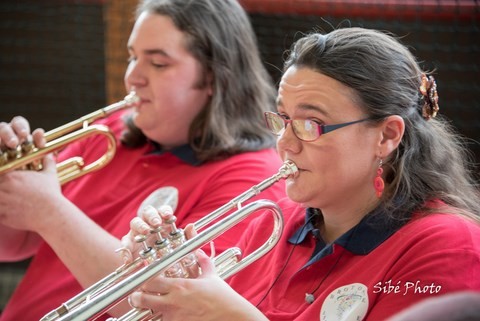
(118, 285)
(27, 156)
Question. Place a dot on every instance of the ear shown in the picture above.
(392, 130)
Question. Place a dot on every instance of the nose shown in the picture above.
(134, 77)
(288, 141)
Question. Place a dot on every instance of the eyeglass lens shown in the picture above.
(304, 129)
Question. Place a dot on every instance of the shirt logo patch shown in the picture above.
(346, 303)
(167, 195)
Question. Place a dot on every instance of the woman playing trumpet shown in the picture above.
(382, 214)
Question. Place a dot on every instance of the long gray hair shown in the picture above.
(220, 36)
(431, 161)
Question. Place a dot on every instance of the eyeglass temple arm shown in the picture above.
(328, 128)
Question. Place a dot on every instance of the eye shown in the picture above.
(309, 125)
(131, 59)
(315, 120)
(284, 116)
(159, 65)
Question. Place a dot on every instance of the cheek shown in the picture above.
(354, 161)
(180, 98)
(337, 161)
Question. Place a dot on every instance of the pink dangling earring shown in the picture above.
(378, 182)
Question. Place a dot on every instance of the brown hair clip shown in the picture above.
(428, 89)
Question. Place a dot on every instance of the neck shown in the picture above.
(338, 222)
(331, 232)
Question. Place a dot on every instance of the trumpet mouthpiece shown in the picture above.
(289, 169)
(131, 98)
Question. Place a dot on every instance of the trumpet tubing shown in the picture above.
(28, 156)
(171, 263)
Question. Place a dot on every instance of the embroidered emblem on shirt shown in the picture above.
(167, 195)
(345, 303)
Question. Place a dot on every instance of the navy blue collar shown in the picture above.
(184, 152)
(363, 238)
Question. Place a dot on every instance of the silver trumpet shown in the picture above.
(115, 287)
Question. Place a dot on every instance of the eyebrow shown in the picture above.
(305, 107)
(151, 52)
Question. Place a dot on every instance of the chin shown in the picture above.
(139, 121)
(300, 196)
(134, 115)
(294, 194)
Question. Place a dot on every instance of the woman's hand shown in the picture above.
(149, 219)
(207, 297)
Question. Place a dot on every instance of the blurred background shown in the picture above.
(61, 59)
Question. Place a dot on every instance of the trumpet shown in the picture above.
(115, 287)
(28, 156)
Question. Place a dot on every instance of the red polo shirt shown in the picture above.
(369, 273)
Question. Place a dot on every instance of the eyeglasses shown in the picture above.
(305, 129)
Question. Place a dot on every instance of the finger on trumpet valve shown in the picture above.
(189, 262)
(8, 154)
(176, 270)
(14, 153)
(164, 247)
(158, 234)
(3, 158)
(176, 237)
(28, 147)
(147, 253)
(168, 220)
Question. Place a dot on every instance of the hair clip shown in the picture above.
(428, 89)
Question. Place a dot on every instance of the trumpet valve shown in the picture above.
(28, 147)
(169, 227)
(11, 154)
(158, 234)
(147, 253)
(14, 153)
(162, 244)
(3, 158)
(163, 247)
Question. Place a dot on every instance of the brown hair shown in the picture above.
(221, 37)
